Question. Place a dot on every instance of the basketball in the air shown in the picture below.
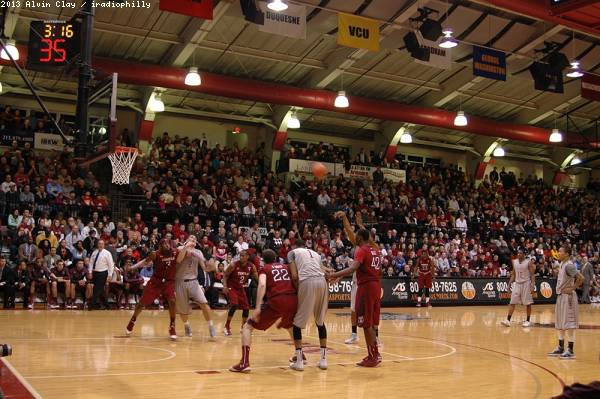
(319, 170)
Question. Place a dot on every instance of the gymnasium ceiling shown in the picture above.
(232, 46)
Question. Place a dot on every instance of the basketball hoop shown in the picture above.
(122, 161)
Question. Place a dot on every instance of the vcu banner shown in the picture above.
(358, 32)
(489, 63)
(590, 87)
(291, 22)
(194, 8)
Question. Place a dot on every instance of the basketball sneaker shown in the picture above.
(352, 340)
(188, 330)
(429, 305)
(418, 305)
(369, 362)
(172, 333)
(505, 322)
(293, 359)
(227, 331)
(322, 364)
(567, 355)
(129, 328)
(526, 324)
(556, 352)
(240, 368)
(297, 365)
(212, 331)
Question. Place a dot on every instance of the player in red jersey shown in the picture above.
(426, 269)
(162, 283)
(274, 279)
(367, 265)
(234, 286)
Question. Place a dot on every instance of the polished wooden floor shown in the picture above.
(444, 352)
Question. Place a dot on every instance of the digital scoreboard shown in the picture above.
(52, 44)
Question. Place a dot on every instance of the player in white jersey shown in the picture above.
(308, 276)
(523, 277)
(352, 238)
(566, 310)
(187, 287)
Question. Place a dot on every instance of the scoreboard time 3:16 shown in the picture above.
(52, 44)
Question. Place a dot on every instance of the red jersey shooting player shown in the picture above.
(352, 238)
(523, 275)
(367, 265)
(162, 283)
(234, 286)
(275, 281)
(426, 269)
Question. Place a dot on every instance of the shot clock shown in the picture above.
(52, 44)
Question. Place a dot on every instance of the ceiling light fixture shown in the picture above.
(277, 5)
(575, 161)
(293, 122)
(341, 101)
(156, 103)
(193, 77)
(11, 48)
(461, 119)
(556, 136)
(499, 152)
(406, 138)
(448, 41)
(575, 71)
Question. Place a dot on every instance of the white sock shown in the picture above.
(210, 322)
(323, 353)
(298, 355)
(186, 323)
(427, 300)
(419, 299)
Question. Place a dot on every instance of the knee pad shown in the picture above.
(322, 332)
(297, 332)
(245, 313)
(231, 312)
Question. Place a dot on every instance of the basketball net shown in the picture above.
(122, 161)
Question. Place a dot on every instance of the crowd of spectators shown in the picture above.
(54, 213)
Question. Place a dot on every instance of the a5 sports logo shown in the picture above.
(399, 291)
(489, 291)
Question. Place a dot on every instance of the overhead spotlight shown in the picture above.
(448, 41)
(193, 77)
(406, 138)
(575, 71)
(102, 130)
(293, 122)
(1, 87)
(341, 101)
(556, 136)
(12, 49)
(460, 119)
(277, 5)
(575, 161)
(156, 103)
(499, 152)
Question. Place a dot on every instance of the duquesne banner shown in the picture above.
(489, 63)
(358, 32)
(290, 22)
(194, 8)
(590, 87)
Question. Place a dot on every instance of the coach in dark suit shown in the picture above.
(7, 283)
(207, 280)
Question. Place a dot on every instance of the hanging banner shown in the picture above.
(489, 63)
(438, 57)
(194, 8)
(590, 87)
(290, 22)
(358, 32)
(48, 141)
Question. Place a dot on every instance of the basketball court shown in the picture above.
(440, 352)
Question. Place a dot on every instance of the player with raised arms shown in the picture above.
(274, 281)
(367, 265)
(352, 238)
(188, 288)
(162, 283)
(234, 286)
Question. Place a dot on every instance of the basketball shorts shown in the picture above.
(368, 302)
(521, 294)
(186, 291)
(157, 288)
(353, 296)
(61, 286)
(313, 299)
(567, 312)
(238, 299)
(280, 307)
(424, 280)
(135, 286)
